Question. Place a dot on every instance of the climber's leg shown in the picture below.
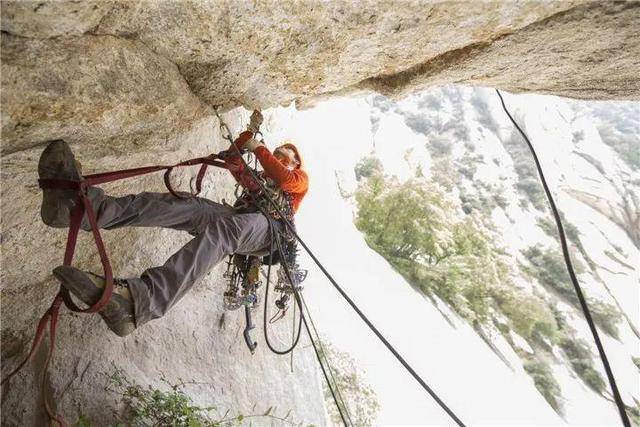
(141, 210)
(154, 210)
(136, 301)
(118, 313)
(57, 162)
(159, 288)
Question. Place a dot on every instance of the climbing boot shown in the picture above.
(57, 162)
(118, 313)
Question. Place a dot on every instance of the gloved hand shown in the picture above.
(255, 121)
(252, 144)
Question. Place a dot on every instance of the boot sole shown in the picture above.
(114, 313)
(57, 162)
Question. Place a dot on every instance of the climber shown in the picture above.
(219, 230)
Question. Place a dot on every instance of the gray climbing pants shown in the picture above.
(219, 231)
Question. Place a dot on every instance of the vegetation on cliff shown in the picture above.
(425, 235)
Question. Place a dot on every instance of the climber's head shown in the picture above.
(288, 155)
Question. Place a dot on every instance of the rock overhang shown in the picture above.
(129, 69)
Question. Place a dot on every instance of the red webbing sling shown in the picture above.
(82, 206)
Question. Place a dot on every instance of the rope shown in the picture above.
(326, 357)
(49, 321)
(353, 305)
(266, 297)
(567, 259)
(313, 342)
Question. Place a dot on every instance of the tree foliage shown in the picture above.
(360, 399)
(581, 361)
(444, 253)
(415, 227)
(548, 266)
(545, 382)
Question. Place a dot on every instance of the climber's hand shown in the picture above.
(252, 144)
(225, 154)
(255, 121)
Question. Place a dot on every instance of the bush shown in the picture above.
(634, 411)
(148, 406)
(367, 167)
(529, 315)
(439, 146)
(528, 182)
(548, 225)
(545, 382)
(483, 114)
(606, 316)
(532, 188)
(362, 403)
(549, 268)
(581, 360)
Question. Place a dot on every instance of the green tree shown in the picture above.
(368, 167)
(360, 399)
(545, 382)
(549, 268)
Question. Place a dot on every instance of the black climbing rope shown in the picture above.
(341, 410)
(337, 395)
(273, 232)
(344, 295)
(567, 259)
(326, 357)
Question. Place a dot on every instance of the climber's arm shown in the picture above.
(294, 181)
(233, 159)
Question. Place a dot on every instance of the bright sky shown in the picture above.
(455, 362)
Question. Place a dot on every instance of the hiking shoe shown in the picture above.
(57, 162)
(118, 313)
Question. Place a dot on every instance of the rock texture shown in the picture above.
(127, 69)
(129, 82)
(192, 343)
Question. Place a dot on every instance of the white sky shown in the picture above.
(455, 362)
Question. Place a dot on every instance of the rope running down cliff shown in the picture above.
(565, 251)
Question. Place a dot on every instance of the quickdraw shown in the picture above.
(243, 274)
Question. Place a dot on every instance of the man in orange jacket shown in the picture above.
(219, 230)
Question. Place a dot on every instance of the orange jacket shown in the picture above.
(293, 182)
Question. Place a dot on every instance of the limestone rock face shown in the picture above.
(131, 82)
(92, 89)
(94, 70)
(194, 342)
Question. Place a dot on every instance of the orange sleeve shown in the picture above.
(240, 174)
(242, 139)
(291, 181)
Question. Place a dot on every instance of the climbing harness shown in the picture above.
(567, 259)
